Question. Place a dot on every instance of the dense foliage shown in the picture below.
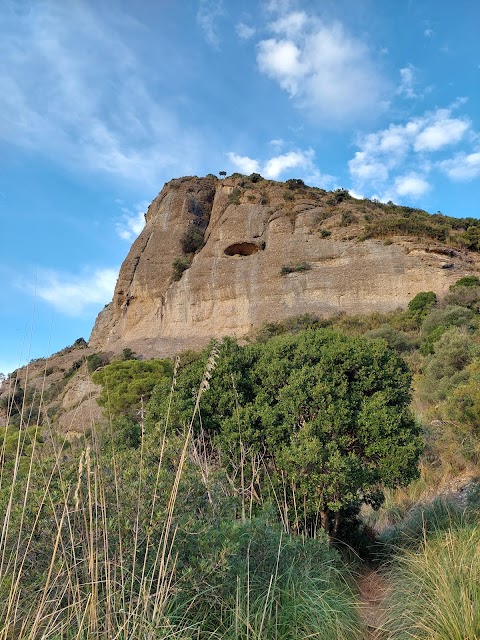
(201, 514)
(327, 415)
(127, 385)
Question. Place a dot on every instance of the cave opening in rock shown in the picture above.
(242, 249)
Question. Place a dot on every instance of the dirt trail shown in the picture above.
(373, 588)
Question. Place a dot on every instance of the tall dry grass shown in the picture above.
(89, 586)
(435, 592)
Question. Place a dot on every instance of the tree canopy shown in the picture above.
(326, 413)
(126, 384)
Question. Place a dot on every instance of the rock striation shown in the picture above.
(271, 251)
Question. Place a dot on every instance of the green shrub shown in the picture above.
(324, 233)
(128, 384)
(302, 266)
(347, 219)
(471, 238)
(341, 195)
(438, 321)
(235, 195)
(74, 368)
(395, 339)
(467, 281)
(445, 368)
(128, 354)
(15, 441)
(255, 177)
(421, 304)
(292, 325)
(288, 196)
(96, 360)
(273, 396)
(464, 296)
(192, 240)
(179, 265)
(295, 183)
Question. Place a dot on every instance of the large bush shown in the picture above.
(328, 415)
(438, 321)
(128, 384)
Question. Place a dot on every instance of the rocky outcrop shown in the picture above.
(270, 252)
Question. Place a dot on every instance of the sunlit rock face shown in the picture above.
(270, 252)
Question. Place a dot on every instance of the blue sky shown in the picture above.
(102, 102)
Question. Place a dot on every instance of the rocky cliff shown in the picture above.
(270, 250)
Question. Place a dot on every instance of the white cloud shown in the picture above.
(277, 165)
(462, 167)
(77, 95)
(404, 149)
(428, 33)
(209, 11)
(278, 6)
(365, 168)
(243, 163)
(274, 167)
(280, 59)
(73, 294)
(443, 132)
(322, 67)
(411, 185)
(291, 24)
(244, 31)
(131, 222)
(356, 194)
(407, 82)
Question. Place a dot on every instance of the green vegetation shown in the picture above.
(96, 361)
(217, 499)
(421, 304)
(302, 266)
(434, 574)
(393, 220)
(295, 183)
(16, 444)
(151, 540)
(179, 265)
(235, 195)
(348, 218)
(328, 413)
(127, 385)
(192, 239)
(467, 281)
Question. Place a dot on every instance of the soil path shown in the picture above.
(373, 588)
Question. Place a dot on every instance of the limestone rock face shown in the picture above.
(269, 253)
